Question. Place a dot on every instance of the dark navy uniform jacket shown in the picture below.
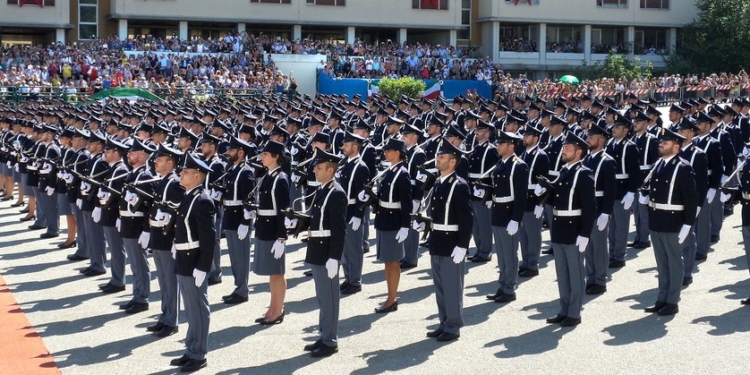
(273, 199)
(510, 182)
(195, 232)
(648, 147)
(603, 167)
(132, 221)
(452, 215)
(538, 164)
(353, 177)
(628, 172)
(111, 208)
(95, 169)
(239, 182)
(712, 148)
(669, 212)
(328, 213)
(394, 195)
(699, 163)
(573, 203)
(168, 191)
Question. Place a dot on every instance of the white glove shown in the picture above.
(85, 187)
(479, 193)
(355, 222)
(295, 178)
(117, 224)
(684, 231)
(421, 177)
(697, 211)
(242, 231)
(414, 206)
(417, 226)
(642, 199)
(277, 249)
(294, 150)
(627, 200)
(458, 254)
(79, 203)
(96, 215)
(200, 277)
(216, 195)
(724, 197)
(16, 168)
(174, 252)
(163, 218)
(143, 239)
(602, 221)
(539, 190)
(46, 167)
(488, 204)
(512, 227)
(67, 177)
(9, 164)
(745, 151)
(131, 198)
(581, 242)
(538, 212)
(24, 159)
(103, 197)
(332, 266)
(50, 190)
(363, 197)
(724, 178)
(402, 234)
(710, 195)
(249, 215)
(290, 223)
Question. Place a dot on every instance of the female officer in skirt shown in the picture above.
(270, 233)
(392, 217)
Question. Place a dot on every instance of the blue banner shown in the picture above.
(351, 86)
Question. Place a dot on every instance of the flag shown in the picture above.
(432, 89)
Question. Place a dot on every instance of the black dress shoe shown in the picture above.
(105, 286)
(478, 259)
(156, 327)
(28, 218)
(113, 289)
(521, 269)
(36, 227)
(596, 289)
(668, 309)
(351, 289)
(68, 245)
(87, 269)
(385, 310)
(344, 285)
(631, 244)
(642, 245)
(324, 351)
(505, 297)
(313, 346)
(406, 266)
(745, 301)
(555, 319)
(214, 282)
(235, 299)
(278, 320)
(701, 256)
(570, 322)
(548, 251)
(92, 273)
(76, 258)
(307, 273)
(49, 235)
(656, 307)
(445, 337)
(137, 307)
(528, 273)
(715, 239)
(616, 263)
(687, 281)
(194, 365)
(491, 297)
(166, 331)
(127, 305)
(180, 361)
(435, 333)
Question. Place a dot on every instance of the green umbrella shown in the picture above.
(125, 93)
(569, 79)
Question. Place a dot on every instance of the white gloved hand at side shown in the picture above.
(277, 249)
(458, 254)
(627, 200)
(50, 190)
(242, 231)
(417, 226)
(199, 276)
(642, 199)
(79, 203)
(538, 212)
(363, 197)
(710, 195)
(414, 206)
(602, 221)
(582, 242)
(355, 222)
(96, 214)
(332, 266)
(684, 231)
(488, 204)
(512, 227)
(117, 224)
(402, 234)
(249, 214)
(143, 239)
(724, 197)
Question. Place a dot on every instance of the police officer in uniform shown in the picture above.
(415, 159)
(648, 147)
(712, 148)
(94, 234)
(72, 183)
(530, 238)
(209, 148)
(47, 198)
(483, 159)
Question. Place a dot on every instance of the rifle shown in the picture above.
(132, 187)
(303, 219)
(164, 206)
(369, 190)
(547, 184)
(427, 221)
(733, 191)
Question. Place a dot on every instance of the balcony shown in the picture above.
(559, 61)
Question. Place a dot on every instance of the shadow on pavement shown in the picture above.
(535, 342)
(111, 351)
(401, 358)
(726, 324)
(650, 327)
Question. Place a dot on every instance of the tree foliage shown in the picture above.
(614, 66)
(394, 87)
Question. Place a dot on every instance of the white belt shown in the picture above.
(28, 168)
(267, 213)
(599, 193)
(155, 223)
(502, 199)
(232, 203)
(432, 170)
(445, 227)
(566, 212)
(645, 167)
(47, 172)
(352, 201)
(319, 233)
(295, 163)
(532, 186)
(313, 183)
(622, 176)
(746, 196)
(554, 173)
(390, 205)
(666, 207)
(476, 175)
(187, 246)
(131, 214)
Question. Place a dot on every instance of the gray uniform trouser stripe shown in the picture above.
(411, 247)
(48, 207)
(215, 273)
(702, 228)
(139, 269)
(198, 316)
(570, 279)
(530, 240)
(448, 278)
(81, 249)
(668, 265)
(117, 255)
(688, 252)
(482, 229)
(717, 215)
(640, 215)
(353, 257)
(94, 242)
(619, 226)
(239, 260)
(41, 214)
(327, 294)
(170, 302)
(366, 224)
(746, 243)
(506, 247)
(597, 260)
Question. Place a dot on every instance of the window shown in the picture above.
(654, 4)
(429, 4)
(612, 3)
(88, 16)
(528, 2)
(47, 3)
(272, 1)
(465, 20)
(327, 2)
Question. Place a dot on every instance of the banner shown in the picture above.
(433, 87)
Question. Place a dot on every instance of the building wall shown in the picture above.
(31, 15)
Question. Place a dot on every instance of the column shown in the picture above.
(401, 36)
(542, 44)
(241, 27)
(452, 37)
(350, 34)
(122, 29)
(671, 40)
(630, 39)
(587, 44)
(491, 39)
(183, 33)
(60, 36)
(297, 32)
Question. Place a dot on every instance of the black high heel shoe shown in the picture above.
(278, 320)
(28, 218)
(70, 245)
(17, 204)
(384, 310)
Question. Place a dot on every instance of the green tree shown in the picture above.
(394, 88)
(614, 66)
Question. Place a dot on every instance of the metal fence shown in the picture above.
(665, 96)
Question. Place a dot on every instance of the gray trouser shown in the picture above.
(170, 300)
(570, 279)
(411, 247)
(94, 242)
(746, 243)
(117, 256)
(530, 240)
(619, 225)
(239, 261)
(506, 247)
(198, 313)
(702, 228)
(48, 208)
(668, 265)
(81, 249)
(327, 294)
(688, 253)
(366, 233)
(353, 257)
(215, 273)
(448, 278)
(139, 269)
(41, 215)
(717, 215)
(482, 229)
(640, 215)
(597, 260)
